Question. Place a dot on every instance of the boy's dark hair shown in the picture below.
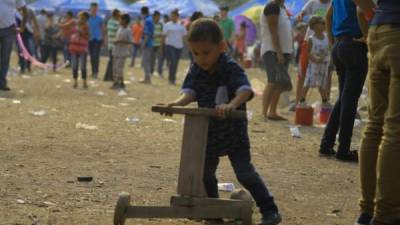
(315, 20)
(301, 25)
(125, 17)
(175, 12)
(85, 14)
(144, 10)
(205, 29)
(116, 12)
(43, 12)
(224, 8)
(157, 13)
(196, 15)
(94, 4)
(70, 14)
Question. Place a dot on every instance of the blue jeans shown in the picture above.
(79, 61)
(157, 60)
(7, 37)
(350, 59)
(29, 43)
(247, 176)
(173, 55)
(94, 52)
(146, 62)
(108, 76)
(66, 53)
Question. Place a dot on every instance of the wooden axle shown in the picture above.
(206, 112)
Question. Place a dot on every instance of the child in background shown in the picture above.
(79, 48)
(216, 81)
(137, 34)
(51, 41)
(240, 43)
(121, 51)
(318, 67)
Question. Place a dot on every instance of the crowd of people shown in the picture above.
(333, 39)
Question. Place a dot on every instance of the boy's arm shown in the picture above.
(183, 100)
(241, 97)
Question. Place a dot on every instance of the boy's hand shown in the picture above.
(169, 105)
(224, 110)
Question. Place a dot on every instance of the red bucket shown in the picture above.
(304, 116)
(324, 114)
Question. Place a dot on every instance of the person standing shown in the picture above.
(42, 21)
(112, 28)
(30, 37)
(51, 41)
(96, 30)
(228, 28)
(156, 55)
(79, 47)
(350, 58)
(67, 25)
(276, 49)
(7, 34)
(137, 34)
(174, 33)
(379, 153)
(148, 40)
(121, 51)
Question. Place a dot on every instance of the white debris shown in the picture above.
(39, 113)
(85, 126)
(295, 131)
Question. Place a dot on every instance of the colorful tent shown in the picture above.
(186, 7)
(105, 6)
(253, 8)
(49, 5)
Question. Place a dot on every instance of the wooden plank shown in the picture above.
(210, 212)
(236, 114)
(190, 181)
(189, 202)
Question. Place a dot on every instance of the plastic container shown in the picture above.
(304, 115)
(324, 114)
(227, 187)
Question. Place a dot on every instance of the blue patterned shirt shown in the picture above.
(224, 135)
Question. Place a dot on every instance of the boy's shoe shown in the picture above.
(271, 219)
(327, 152)
(364, 219)
(115, 86)
(350, 156)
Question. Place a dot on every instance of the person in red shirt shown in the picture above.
(67, 26)
(137, 34)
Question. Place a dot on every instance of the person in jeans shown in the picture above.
(214, 74)
(79, 48)
(380, 152)
(121, 51)
(156, 55)
(148, 40)
(137, 35)
(51, 41)
(96, 28)
(350, 58)
(228, 28)
(7, 34)
(67, 25)
(174, 33)
(112, 27)
(30, 36)
(276, 48)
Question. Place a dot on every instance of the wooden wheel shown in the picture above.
(121, 207)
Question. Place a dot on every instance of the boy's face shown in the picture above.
(206, 54)
(319, 27)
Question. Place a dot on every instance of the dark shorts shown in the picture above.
(272, 66)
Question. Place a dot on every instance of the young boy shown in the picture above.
(121, 51)
(216, 81)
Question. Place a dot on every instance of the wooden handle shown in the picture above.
(235, 114)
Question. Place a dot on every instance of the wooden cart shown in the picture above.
(191, 201)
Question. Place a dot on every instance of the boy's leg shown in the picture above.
(210, 178)
(75, 65)
(251, 180)
(83, 59)
(7, 38)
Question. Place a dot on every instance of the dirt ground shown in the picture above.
(42, 156)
